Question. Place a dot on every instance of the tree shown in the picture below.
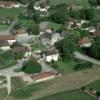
(93, 2)
(31, 26)
(98, 2)
(30, 8)
(75, 14)
(66, 47)
(95, 48)
(60, 14)
(90, 14)
(32, 66)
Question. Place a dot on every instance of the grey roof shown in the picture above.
(4, 43)
(46, 35)
(47, 53)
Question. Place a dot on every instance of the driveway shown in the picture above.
(10, 70)
(46, 67)
(86, 58)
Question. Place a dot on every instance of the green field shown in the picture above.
(55, 26)
(65, 67)
(82, 2)
(70, 95)
(20, 90)
(3, 93)
(12, 12)
(7, 59)
(3, 27)
(95, 85)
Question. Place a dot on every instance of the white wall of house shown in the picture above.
(16, 5)
(22, 38)
(49, 58)
(11, 6)
(4, 48)
(86, 45)
(28, 54)
(11, 41)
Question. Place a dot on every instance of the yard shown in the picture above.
(6, 59)
(82, 2)
(3, 27)
(12, 12)
(20, 90)
(69, 95)
(3, 93)
(55, 26)
(65, 67)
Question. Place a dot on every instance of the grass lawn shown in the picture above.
(65, 67)
(21, 90)
(12, 12)
(55, 26)
(2, 77)
(82, 2)
(18, 70)
(7, 63)
(70, 95)
(3, 93)
(95, 85)
(3, 27)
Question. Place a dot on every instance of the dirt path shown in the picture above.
(68, 82)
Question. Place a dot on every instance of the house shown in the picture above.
(96, 33)
(46, 38)
(25, 50)
(4, 45)
(51, 55)
(8, 38)
(85, 42)
(43, 76)
(9, 4)
(55, 38)
(91, 29)
(41, 7)
(21, 35)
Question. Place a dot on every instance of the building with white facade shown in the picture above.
(49, 56)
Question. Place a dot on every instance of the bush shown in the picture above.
(82, 66)
(32, 66)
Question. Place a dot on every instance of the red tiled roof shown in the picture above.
(20, 49)
(43, 75)
(21, 31)
(6, 37)
(84, 41)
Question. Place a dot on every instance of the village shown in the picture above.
(43, 45)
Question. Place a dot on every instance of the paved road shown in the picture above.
(46, 67)
(86, 58)
(10, 70)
